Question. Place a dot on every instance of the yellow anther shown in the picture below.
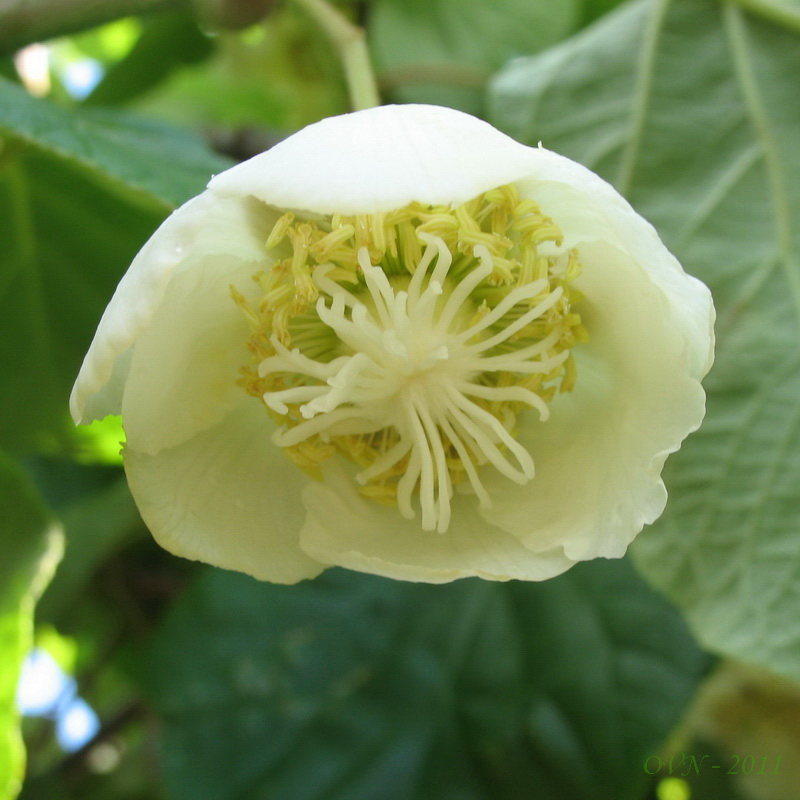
(310, 455)
(570, 375)
(441, 224)
(253, 319)
(469, 237)
(305, 292)
(279, 231)
(525, 207)
(385, 494)
(504, 269)
(507, 196)
(378, 240)
(329, 243)
(409, 246)
(300, 237)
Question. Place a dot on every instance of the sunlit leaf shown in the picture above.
(80, 192)
(30, 545)
(169, 41)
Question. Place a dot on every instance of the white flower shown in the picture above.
(459, 356)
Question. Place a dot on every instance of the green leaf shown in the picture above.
(169, 41)
(782, 12)
(444, 51)
(163, 165)
(80, 192)
(691, 107)
(30, 545)
(357, 687)
(593, 9)
(95, 527)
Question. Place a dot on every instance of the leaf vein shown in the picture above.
(742, 59)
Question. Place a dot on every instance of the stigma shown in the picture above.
(410, 344)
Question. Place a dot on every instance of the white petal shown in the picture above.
(381, 159)
(599, 456)
(344, 529)
(228, 497)
(586, 208)
(206, 225)
(185, 364)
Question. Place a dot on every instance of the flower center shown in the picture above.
(410, 342)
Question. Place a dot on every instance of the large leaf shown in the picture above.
(30, 546)
(357, 687)
(443, 51)
(163, 165)
(692, 108)
(80, 191)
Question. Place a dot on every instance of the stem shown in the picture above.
(776, 12)
(350, 43)
(26, 21)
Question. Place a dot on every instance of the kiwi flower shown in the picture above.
(403, 343)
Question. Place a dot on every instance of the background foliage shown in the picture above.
(210, 685)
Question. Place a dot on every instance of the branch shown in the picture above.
(349, 41)
(26, 21)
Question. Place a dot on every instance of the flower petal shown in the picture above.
(185, 364)
(587, 209)
(599, 456)
(206, 225)
(226, 497)
(379, 160)
(344, 529)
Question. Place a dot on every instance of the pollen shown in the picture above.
(411, 342)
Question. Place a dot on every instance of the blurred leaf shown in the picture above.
(95, 527)
(156, 163)
(7, 69)
(80, 191)
(106, 43)
(30, 545)
(357, 687)
(443, 51)
(100, 442)
(692, 108)
(169, 41)
(592, 9)
(279, 75)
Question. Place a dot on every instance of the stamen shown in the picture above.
(411, 342)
